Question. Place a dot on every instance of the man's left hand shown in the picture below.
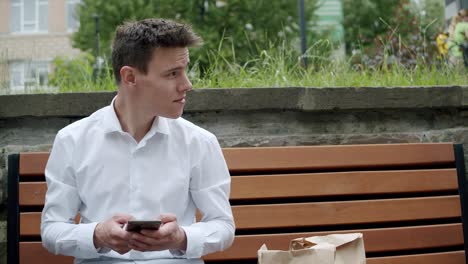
(169, 236)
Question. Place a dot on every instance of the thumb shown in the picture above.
(166, 218)
(122, 218)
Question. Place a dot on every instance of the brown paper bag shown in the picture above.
(331, 249)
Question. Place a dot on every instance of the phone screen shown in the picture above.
(138, 225)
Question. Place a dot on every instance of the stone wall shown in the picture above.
(258, 117)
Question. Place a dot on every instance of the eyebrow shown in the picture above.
(177, 68)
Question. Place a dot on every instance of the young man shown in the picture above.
(137, 159)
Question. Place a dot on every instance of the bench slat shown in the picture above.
(319, 214)
(30, 224)
(337, 157)
(375, 240)
(342, 183)
(33, 163)
(309, 185)
(245, 247)
(303, 158)
(33, 252)
(454, 257)
(347, 212)
(32, 193)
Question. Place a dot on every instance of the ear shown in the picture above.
(127, 76)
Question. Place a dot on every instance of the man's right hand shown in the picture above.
(110, 234)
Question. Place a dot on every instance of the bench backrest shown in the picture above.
(404, 198)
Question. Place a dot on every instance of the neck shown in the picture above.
(132, 118)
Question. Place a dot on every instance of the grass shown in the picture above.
(330, 76)
(277, 67)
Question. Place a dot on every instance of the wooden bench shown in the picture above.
(404, 198)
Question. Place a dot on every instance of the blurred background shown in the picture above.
(64, 45)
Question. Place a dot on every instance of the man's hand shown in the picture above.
(110, 234)
(169, 236)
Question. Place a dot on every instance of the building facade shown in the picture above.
(330, 17)
(32, 34)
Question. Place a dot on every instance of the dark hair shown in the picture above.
(135, 42)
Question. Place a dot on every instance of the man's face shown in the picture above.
(161, 92)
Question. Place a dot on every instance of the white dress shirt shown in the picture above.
(98, 170)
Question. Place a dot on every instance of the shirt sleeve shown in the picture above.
(60, 234)
(210, 187)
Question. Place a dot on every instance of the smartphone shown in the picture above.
(138, 225)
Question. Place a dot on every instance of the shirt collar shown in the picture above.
(160, 125)
(112, 124)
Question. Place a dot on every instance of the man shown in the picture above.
(137, 159)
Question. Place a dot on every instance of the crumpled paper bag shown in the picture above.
(330, 249)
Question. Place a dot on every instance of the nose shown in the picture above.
(186, 84)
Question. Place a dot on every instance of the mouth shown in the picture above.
(180, 100)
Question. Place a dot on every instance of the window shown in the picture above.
(73, 21)
(25, 75)
(29, 16)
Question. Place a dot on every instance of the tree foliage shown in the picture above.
(432, 16)
(365, 19)
(392, 32)
(234, 28)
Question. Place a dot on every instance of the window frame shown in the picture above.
(36, 21)
(22, 68)
(67, 13)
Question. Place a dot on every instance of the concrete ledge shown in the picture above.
(242, 99)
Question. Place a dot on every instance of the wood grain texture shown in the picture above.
(346, 212)
(34, 252)
(32, 193)
(245, 247)
(342, 183)
(307, 157)
(33, 163)
(375, 240)
(310, 185)
(454, 257)
(343, 175)
(319, 214)
(337, 157)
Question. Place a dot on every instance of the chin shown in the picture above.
(172, 116)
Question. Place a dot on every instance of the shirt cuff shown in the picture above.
(195, 243)
(85, 234)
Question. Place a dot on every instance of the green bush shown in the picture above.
(80, 74)
(277, 66)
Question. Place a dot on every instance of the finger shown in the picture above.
(143, 239)
(166, 218)
(156, 234)
(119, 242)
(168, 229)
(122, 218)
(120, 234)
(122, 250)
(136, 245)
